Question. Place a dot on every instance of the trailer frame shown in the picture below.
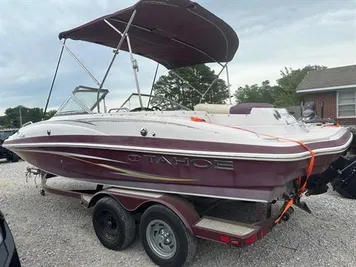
(197, 224)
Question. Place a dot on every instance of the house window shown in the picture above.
(346, 103)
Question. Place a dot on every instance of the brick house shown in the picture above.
(333, 91)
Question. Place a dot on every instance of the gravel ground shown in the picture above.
(57, 231)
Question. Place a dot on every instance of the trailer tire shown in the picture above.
(165, 238)
(113, 225)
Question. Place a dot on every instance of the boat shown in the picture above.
(248, 151)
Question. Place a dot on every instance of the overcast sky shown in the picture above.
(273, 35)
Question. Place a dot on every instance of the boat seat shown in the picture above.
(213, 108)
(245, 108)
(241, 108)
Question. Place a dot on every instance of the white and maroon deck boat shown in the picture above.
(165, 167)
(251, 152)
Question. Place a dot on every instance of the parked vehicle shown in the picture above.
(8, 251)
(5, 153)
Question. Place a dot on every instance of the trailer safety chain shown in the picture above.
(301, 186)
(32, 173)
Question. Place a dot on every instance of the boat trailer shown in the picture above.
(170, 223)
(164, 220)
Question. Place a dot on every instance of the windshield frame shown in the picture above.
(86, 109)
(155, 97)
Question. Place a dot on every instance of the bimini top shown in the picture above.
(175, 33)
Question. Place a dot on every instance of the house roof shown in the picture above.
(328, 79)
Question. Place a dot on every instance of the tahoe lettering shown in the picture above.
(218, 164)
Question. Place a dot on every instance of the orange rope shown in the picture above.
(301, 187)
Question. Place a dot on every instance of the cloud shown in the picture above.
(273, 34)
(339, 17)
(326, 38)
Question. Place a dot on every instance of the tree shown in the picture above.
(2, 121)
(49, 114)
(283, 94)
(286, 94)
(14, 116)
(254, 93)
(200, 77)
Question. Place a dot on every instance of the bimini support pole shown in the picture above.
(116, 52)
(153, 84)
(80, 64)
(135, 70)
(53, 80)
(211, 85)
(228, 83)
(187, 83)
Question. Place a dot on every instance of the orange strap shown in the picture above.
(310, 167)
(286, 208)
(301, 187)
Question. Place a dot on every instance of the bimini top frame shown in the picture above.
(174, 33)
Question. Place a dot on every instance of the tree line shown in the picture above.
(283, 94)
(188, 87)
(17, 116)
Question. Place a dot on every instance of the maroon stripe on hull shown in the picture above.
(163, 143)
(116, 166)
(259, 195)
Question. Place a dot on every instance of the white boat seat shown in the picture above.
(242, 108)
(213, 108)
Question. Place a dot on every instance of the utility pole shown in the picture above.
(20, 116)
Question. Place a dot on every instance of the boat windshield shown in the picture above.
(85, 100)
(82, 101)
(150, 103)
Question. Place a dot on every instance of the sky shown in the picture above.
(273, 35)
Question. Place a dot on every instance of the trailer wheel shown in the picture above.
(113, 225)
(165, 238)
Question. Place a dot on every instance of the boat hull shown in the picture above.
(213, 176)
(170, 152)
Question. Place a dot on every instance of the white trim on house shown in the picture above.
(337, 107)
(332, 88)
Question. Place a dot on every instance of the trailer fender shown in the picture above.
(134, 200)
